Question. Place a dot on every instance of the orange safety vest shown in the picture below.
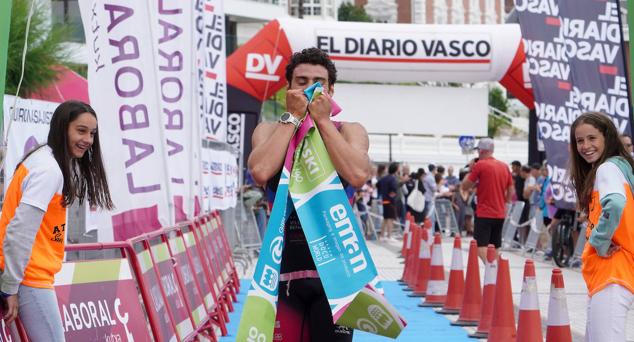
(600, 272)
(48, 247)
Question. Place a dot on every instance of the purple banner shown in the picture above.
(575, 60)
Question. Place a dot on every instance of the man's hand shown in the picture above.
(296, 102)
(320, 108)
(11, 308)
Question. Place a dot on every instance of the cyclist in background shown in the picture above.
(601, 172)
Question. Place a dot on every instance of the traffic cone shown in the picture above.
(408, 257)
(427, 223)
(558, 329)
(406, 232)
(424, 264)
(409, 261)
(436, 287)
(453, 303)
(503, 326)
(529, 325)
(472, 299)
(407, 241)
(413, 260)
(488, 294)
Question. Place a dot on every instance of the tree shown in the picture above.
(498, 101)
(46, 48)
(350, 12)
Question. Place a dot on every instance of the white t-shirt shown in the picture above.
(609, 180)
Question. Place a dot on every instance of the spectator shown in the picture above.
(401, 194)
(601, 172)
(388, 186)
(416, 184)
(451, 180)
(494, 190)
(462, 206)
(518, 181)
(429, 183)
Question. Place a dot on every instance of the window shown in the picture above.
(317, 11)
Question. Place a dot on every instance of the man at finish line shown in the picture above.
(303, 312)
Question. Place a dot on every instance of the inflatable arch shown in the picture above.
(390, 53)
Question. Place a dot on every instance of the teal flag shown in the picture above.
(335, 240)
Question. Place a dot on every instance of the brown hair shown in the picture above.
(583, 173)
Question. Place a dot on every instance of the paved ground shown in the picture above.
(390, 267)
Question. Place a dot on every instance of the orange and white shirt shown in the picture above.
(36, 185)
(611, 210)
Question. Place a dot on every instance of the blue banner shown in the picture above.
(574, 56)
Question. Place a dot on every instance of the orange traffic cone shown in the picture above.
(488, 294)
(453, 303)
(407, 241)
(408, 254)
(472, 299)
(436, 287)
(529, 325)
(503, 326)
(424, 264)
(412, 259)
(558, 329)
(406, 231)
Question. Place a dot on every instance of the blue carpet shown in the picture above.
(423, 324)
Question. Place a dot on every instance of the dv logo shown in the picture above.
(269, 278)
(262, 67)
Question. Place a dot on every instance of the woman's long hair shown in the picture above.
(85, 176)
(583, 173)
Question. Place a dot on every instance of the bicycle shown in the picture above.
(562, 242)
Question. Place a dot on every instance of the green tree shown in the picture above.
(498, 101)
(45, 49)
(350, 12)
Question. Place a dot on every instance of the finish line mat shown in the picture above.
(423, 323)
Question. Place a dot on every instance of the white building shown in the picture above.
(382, 11)
(457, 11)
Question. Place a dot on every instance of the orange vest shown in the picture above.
(600, 272)
(48, 248)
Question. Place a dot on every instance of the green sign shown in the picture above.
(5, 20)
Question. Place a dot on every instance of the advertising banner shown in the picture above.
(123, 88)
(211, 69)
(172, 34)
(374, 52)
(199, 272)
(192, 294)
(99, 301)
(576, 64)
(29, 128)
(164, 318)
(219, 179)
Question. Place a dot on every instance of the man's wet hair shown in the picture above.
(311, 56)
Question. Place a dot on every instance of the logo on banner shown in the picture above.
(269, 278)
(262, 67)
(276, 249)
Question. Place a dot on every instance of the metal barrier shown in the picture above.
(446, 217)
(173, 284)
(511, 222)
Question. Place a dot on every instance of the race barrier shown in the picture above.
(172, 284)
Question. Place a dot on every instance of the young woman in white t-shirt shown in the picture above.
(67, 169)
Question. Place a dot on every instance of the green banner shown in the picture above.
(5, 21)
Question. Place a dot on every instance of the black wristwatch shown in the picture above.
(287, 118)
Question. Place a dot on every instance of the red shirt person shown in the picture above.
(494, 190)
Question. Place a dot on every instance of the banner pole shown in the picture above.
(5, 21)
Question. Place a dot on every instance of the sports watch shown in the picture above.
(289, 118)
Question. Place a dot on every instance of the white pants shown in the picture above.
(607, 313)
